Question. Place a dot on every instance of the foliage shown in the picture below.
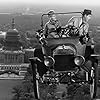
(18, 92)
(79, 92)
(49, 92)
(25, 90)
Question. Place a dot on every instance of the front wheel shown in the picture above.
(93, 83)
(35, 78)
(36, 87)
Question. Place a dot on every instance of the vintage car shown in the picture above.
(64, 57)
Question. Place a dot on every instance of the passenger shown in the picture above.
(52, 27)
(81, 23)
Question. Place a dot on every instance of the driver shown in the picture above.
(52, 27)
(81, 23)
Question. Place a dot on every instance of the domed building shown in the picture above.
(12, 40)
(13, 58)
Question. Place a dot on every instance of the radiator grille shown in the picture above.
(64, 62)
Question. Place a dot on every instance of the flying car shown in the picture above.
(66, 58)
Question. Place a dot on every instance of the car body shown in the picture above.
(64, 57)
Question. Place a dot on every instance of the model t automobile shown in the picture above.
(64, 57)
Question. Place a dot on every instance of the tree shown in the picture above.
(25, 90)
(25, 42)
(18, 92)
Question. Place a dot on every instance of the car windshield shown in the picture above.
(63, 31)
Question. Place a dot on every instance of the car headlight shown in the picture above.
(79, 60)
(49, 61)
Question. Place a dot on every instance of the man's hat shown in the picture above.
(51, 12)
(87, 12)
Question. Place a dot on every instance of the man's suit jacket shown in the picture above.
(77, 22)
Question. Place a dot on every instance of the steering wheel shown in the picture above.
(70, 31)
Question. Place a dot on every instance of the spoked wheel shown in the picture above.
(35, 79)
(36, 87)
(93, 83)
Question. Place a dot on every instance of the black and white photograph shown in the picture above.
(49, 49)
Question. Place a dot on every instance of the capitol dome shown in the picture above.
(12, 38)
(12, 32)
(12, 35)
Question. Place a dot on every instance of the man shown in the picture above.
(52, 27)
(81, 23)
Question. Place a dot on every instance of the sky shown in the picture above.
(57, 5)
(60, 2)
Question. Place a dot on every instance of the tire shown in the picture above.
(93, 84)
(36, 84)
(35, 79)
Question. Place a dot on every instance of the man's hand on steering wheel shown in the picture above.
(72, 30)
